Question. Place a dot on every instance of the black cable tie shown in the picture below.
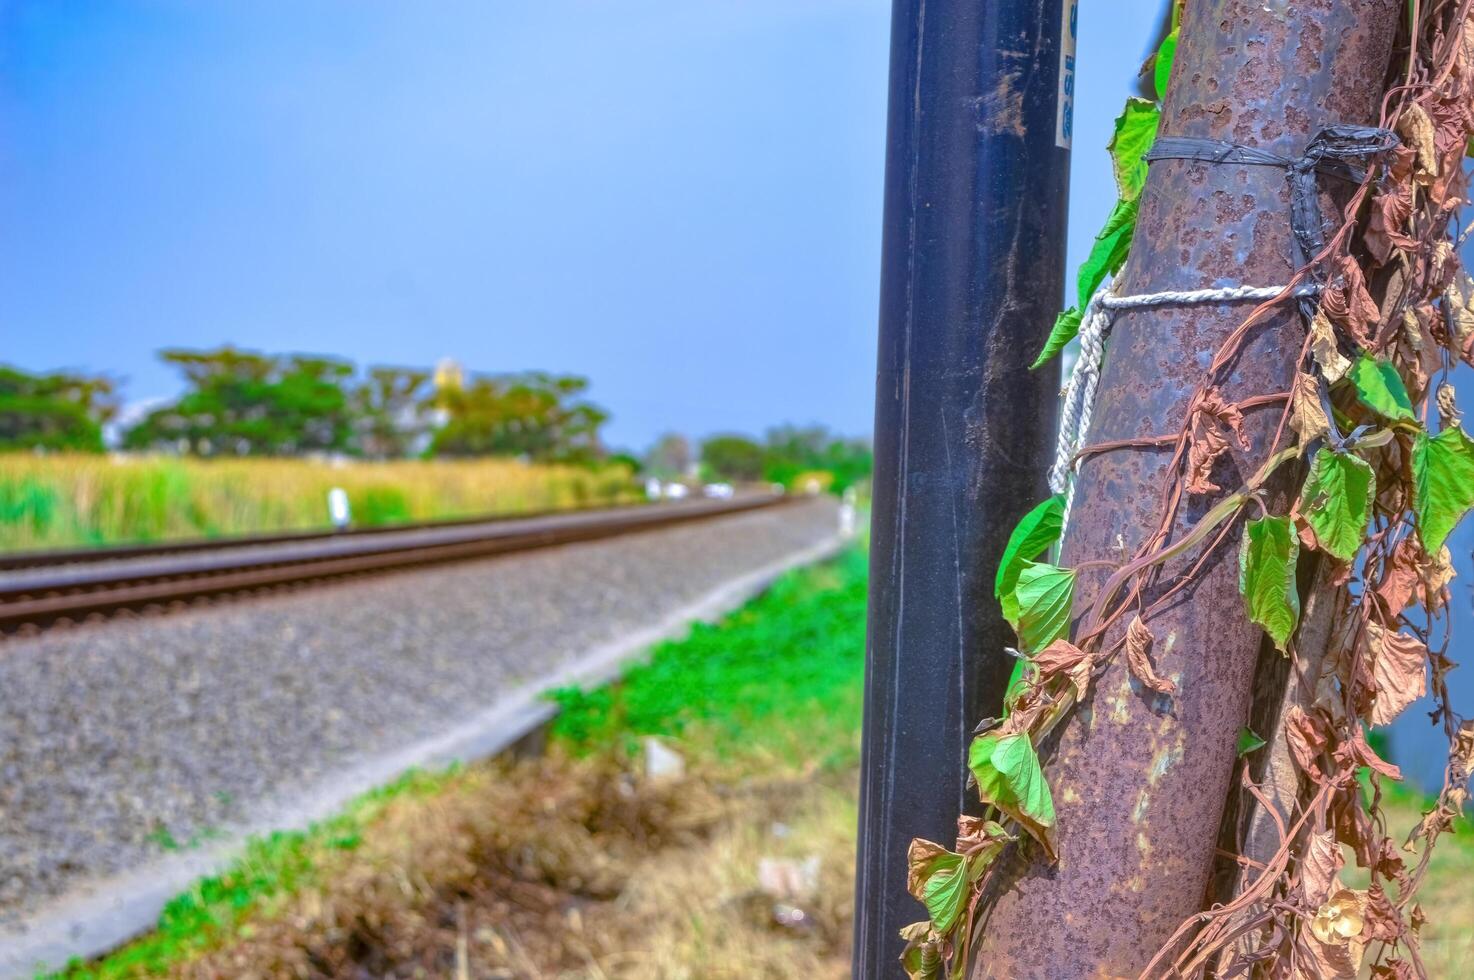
(1332, 152)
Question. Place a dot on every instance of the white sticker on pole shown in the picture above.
(1064, 124)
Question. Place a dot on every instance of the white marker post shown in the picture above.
(338, 511)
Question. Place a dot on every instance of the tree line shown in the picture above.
(795, 456)
(246, 403)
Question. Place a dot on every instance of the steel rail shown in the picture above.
(48, 557)
(70, 594)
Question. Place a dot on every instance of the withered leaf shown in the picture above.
(1389, 863)
(1383, 921)
(1213, 420)
(1448, 408)
(1138, 657)
(976, 834)
(1063, 659)
(1456, 301)
(1307, 737)
(1307, 416)
(1399, 663)
(1348, 302)
(1417, 352)
(1320, 960)
(1394, 969)
(1319, 867)
(1416, 129)
(1356, 752)
(1323, 348)
(1402, 575)
(1387, 227)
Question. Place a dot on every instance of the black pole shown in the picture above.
(972, 270)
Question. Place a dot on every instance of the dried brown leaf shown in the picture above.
(1448, 406)
(1383, 921)
(1417, 352)
(1319, 867)
(1213, 420)
(1389, 863)
(1388, 225)
(1307, 737)
(1347, 301)
(1323, 347)
(1416, 129)
(1402, 575)
(1461, 753)
(1138, 657)
(1307, 417)
(1354, 753)
(1394, 969)
(1399, 671)
(1063, 659)
(975, 833)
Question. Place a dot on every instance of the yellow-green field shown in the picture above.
(64, 500)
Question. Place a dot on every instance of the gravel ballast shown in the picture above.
(123, 741)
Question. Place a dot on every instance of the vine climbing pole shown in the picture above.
(1139, 777)
(977, 170)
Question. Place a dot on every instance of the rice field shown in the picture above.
(55, 501)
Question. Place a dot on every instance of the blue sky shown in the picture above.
(680, 200)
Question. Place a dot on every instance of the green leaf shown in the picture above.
(1162, 71)
(945, 891)
(1036, 532)
(1267, 576)
(1066, 327)
(1249, 741)
(1107, 255)
(1008, 774)
(1042, 604)
(1337, 501)
(1108, 251)
(1443, 484)
(1015, 682)
(1380, 388)
(1136, 130)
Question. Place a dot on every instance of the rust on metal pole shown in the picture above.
(1140, 780)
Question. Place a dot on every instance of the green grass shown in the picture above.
(797, 650)
(780, 679)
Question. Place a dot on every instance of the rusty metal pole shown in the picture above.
(972, 272)
(1140, 782)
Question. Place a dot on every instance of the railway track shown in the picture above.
(38, 590)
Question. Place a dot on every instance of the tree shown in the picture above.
(242, 403)
(536, 415)
(62, 410)
(793, 450)
(390, 413)
(733, 457)
(670, 457)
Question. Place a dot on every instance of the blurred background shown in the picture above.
(275, 267)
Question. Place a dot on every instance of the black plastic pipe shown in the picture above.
(972, 272)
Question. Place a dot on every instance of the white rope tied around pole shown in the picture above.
(1079, 392)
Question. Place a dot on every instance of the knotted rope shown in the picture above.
(1079, 392)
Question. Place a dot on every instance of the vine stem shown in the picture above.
(1222, 511)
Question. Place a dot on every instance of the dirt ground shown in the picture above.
(566, 869)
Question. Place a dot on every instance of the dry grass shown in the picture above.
(63, 500)
(569, 869)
